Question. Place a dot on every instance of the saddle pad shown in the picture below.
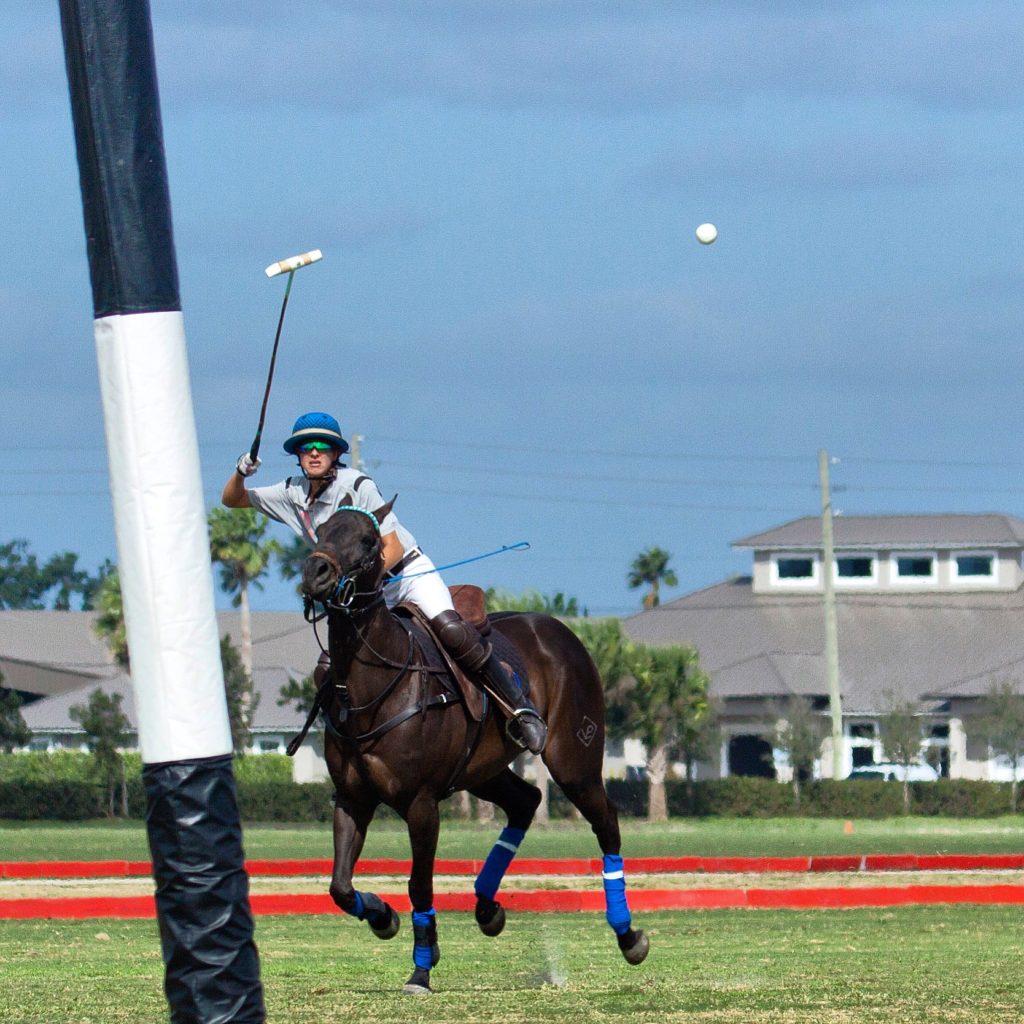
(442, 667)
(449, 674)
(508, 653)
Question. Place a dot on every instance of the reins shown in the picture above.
(343, 601)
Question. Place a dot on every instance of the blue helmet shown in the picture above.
(316, 426)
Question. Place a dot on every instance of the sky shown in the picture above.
(512, 310)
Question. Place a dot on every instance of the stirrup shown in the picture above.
(514, 729)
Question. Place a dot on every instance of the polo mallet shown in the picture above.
(288, 266)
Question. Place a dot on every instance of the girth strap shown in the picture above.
(441, 700)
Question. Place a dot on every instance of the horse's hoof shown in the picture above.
(418, 983)
(635, 946)
(490, 916)
(389, 929)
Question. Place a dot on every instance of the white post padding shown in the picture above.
(162, 539)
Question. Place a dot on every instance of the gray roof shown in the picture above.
(50, 652)
(51, 714)
(915, 646)
(888, 532)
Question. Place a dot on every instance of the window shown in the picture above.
(977, 568)
(936, 751)
(794, 570)
(862, 744)
(975, 565)
(854, 569)
(914, 568)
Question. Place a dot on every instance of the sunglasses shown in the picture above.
(315, 446)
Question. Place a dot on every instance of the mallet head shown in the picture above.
(293, 263)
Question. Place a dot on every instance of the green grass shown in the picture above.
(721, 836)
(919, 964)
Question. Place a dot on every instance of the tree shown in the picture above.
(699, 739)
(1003, 727)
(901, 732)
(799, 735)
(670, 695)
(300, 694)
(92, 584)
(25, 583)
(650, 568)
(242, 701)
(237, 545)
(106, 730)
(13, 730)
(290, 557)
(109, 625)
(496, 600)
(657, 694)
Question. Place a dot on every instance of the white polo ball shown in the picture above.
(706, 234)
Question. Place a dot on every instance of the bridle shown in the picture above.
(343, 598)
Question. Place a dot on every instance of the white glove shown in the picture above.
(247, 466)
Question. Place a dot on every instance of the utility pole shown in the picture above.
(831, 628)
(355, 450)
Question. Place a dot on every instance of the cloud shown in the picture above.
(609, 58)
(614, 58)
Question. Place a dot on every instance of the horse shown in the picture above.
(393, 737)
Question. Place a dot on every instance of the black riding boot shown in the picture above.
(476, 656)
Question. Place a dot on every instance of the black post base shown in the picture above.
(202, 893)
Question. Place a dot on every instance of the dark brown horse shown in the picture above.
(396, 736)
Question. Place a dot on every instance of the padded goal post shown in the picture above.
(206, 926)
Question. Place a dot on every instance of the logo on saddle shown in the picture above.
(469, 603)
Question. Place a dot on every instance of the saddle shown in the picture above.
(469, 603)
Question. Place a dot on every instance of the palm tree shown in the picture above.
(290, 557)
(650, 568)
(238, 546)
(109, 625)
(660, 698)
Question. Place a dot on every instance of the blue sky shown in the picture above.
(512, 307)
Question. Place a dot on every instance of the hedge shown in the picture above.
(270, 800)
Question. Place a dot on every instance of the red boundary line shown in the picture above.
(553, 866)
(81, 908)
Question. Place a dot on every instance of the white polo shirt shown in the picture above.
(288, 503)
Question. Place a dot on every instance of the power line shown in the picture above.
(631, 454)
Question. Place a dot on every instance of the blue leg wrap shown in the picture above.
(617, 910)
(370, 907)
(424, 929)
(498, 860)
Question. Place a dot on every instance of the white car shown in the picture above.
(895, 772)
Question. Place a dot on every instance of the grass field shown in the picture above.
(923, 964)
(709, 837)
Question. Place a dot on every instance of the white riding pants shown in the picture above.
(420, 584)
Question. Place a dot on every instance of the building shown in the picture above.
(54, 660)
(930, 609)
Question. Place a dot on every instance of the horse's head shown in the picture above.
(348, 558)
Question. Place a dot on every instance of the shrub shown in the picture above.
(263, 768)
(58, 786)
(285, 801)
